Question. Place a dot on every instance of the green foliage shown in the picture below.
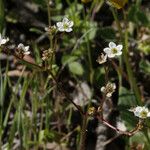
(145, 66)
(34, 108)
(125, 102)
(76, 68)
(139, 139)
(137, 16)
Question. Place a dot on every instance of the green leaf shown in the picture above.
(76, 68)
(139, 139)
(66, 59)
(132, 13)
(144, 47)
(126, 98)
(142, 18)
(145, 66)
(52, 135)
(125, 102)
(99, 76)
(35, 30)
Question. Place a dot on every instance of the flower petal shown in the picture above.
(59, 24)
(61, 29)
(26, 48)
(27, 53)
(65, 20)
(20, 46)
(3, 41)
(119, 47)
(111, 55)
(148, 115)
(68, 29)
(103, 89)
(70, 23)
(112, 45)
(107, 50)
(109, 94)
(119, 53)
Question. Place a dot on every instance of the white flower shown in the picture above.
(141, 112)
(65, 25)
(113, 50)
(25, 49)
(3, 40)
(109, 89)
(102, 58)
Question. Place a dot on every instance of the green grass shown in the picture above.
(37, 106)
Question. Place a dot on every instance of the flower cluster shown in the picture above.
(51, 29)
(141, 112)
(102, 58)
(22, 50)
(3, 40)
(109, 89)
(46, 54)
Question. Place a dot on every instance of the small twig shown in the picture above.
(83, 133)
(128, 133)
(111, 139)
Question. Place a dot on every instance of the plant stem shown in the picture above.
(121, 36)
(88, 48)
(1, 15)
(49, 13)
(83, 133)
(124, 39)
(129, 69)
(90, 62)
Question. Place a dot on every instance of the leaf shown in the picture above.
(66, 59)
(132, 13)
(76, 68)
(99, 76)
(52, 135)
(145, 66)
(35, 30)
(126, 101)
(144, 46)
(126, 98)
(142, 18)
(139, 140)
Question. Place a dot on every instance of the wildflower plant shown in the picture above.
(109, 89)
(50, 80)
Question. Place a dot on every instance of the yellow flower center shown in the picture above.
(143, 114)
(114, 50)
(65, 26)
